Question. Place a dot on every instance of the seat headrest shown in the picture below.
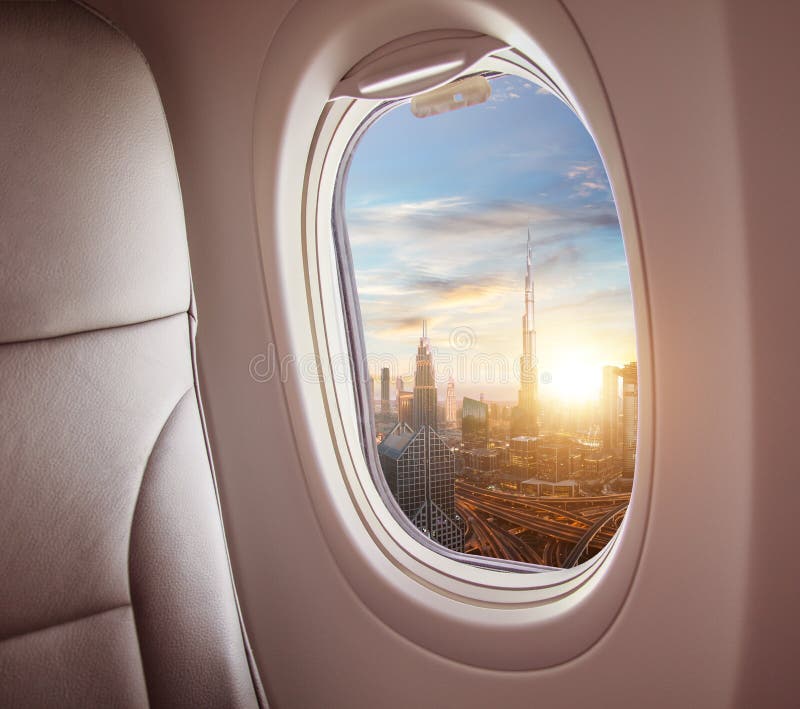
(91, 221)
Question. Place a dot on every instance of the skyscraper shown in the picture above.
(525, 416)
(552, 461)
(522, 456)
(424, 385)
(474, 424)
(609, 415)
(405, 407)
(385, 390)
(418, 464)
(420, 469)
(630, 417)
(399, 387)
(450, 402)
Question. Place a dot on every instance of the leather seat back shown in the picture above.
(116, 587)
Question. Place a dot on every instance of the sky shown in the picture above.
(437, 212)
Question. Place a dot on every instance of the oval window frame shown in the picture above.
(430, 599)
(503, 62)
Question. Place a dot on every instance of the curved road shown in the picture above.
(568, 526)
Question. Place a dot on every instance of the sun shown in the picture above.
(573, 378)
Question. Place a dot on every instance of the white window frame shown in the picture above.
(523, 620)
(502, 62)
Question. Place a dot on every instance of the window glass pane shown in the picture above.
(498, 322)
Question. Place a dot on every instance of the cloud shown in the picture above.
(457, 218)
(405, 328)
(448, 256)
(542, 91)
(580, 170)
(453, 282)
(477, 292)
(427, 206)
(595, 299)
(568, 253)
(503, 90)
(436, 293)
(590, 179)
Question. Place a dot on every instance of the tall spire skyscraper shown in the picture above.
(419, 465)
(526, 414)
(424, 384)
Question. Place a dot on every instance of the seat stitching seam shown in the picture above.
(91, 330)
(61, 623)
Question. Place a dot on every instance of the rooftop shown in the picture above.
(539, 481)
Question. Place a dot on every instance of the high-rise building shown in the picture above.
(598, 465)
(482, 462)
(522, 456)
(553, 461)
(405, 407)
(424, 385)
(630, 417)
(524, 420)
(609, 415)
(420, 468)
(450, 402)
(474, 424)
(371, 391)
(385, 390)
(399, 386)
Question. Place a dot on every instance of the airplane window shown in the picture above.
(483, 252)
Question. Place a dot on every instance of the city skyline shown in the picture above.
(469, 388)
(470, 474)
(439, 234)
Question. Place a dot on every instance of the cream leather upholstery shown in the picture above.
(115, 588)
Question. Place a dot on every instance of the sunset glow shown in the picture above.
(437, 213)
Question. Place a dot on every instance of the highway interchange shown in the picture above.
(550, 531)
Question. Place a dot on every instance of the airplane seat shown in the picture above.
(116, 585)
